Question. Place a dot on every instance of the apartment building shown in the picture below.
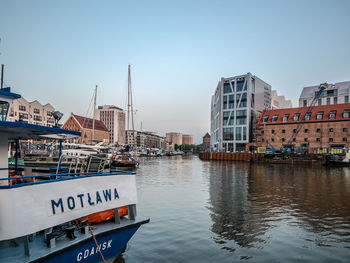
(235, 109)
(337, 93)
(173, 138)
(32, 112)
(114, 119)
(187, 139)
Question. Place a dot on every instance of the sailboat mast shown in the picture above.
(130, 106)
(129, 101)
(93, 116)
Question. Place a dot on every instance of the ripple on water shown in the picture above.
(227, 212)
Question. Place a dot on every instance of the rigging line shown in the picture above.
(87, 112)
(99, 250)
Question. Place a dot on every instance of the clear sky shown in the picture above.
(57, 51)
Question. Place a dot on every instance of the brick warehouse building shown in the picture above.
(325, 126)
(85, 126)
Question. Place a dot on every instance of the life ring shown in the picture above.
(105, 215)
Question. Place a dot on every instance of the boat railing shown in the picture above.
(21, 181)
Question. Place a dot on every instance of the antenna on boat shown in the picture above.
(2, 76)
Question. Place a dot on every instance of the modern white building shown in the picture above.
(114, 119)
(279, 102)
(235, 108)
(337, 93)
(32, 112)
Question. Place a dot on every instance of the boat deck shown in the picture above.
(11, 251)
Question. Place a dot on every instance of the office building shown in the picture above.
(235, 108)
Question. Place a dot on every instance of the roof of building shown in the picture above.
(87, 123)
(326, 109)
(309, 92)
(206, 135)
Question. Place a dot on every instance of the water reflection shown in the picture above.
(247, 201)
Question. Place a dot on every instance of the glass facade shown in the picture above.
(227, 88)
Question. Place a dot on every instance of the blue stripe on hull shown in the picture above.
(110, 244)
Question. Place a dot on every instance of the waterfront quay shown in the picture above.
(219, 211)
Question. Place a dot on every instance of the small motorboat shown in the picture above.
(124, 160)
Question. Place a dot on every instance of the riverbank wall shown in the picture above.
(316, 159)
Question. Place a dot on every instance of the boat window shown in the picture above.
(4, 107)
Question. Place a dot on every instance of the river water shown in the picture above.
(204, 211)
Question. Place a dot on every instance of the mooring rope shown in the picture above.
(93, 236)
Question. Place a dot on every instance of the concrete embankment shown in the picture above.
(316, 159)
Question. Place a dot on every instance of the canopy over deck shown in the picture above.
(23, 131)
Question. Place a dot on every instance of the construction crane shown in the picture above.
(289, 146)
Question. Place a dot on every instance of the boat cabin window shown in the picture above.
(4, 107)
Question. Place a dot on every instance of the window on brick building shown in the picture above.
(345, 129)
(294, 139)
(266, 118)
(274, 118)
(306, 130)
(273, 131)
(262, 132)
(285, 117)
(331, 129)
(330, 139)
(307, 116)
(296, 116)
(283, 139)
(346, 114)
(294, 130)
(305, 139)
(318, 139)
(332, 114)
(319, 115)
(345, 139)
(318, 130)
(283, 131)
(272, 139)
